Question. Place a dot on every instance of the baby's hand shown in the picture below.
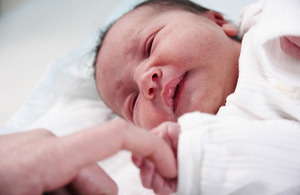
(169, 131)
(291, 46)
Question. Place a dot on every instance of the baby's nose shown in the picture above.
(150, 82)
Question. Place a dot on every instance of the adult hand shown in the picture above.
(36, 161)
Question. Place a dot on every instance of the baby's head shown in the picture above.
(166, 58)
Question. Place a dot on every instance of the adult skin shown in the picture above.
(37, 161)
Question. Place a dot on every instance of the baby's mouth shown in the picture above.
(178, 91)
(172, 91)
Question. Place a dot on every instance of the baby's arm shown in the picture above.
(150, 177)
(291, 45)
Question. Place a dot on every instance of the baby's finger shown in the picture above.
(162, 186)
(153, 180)
(147, 170)
(154, 148)
(169, 131)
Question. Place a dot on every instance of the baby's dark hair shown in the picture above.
(180, 4)
(158, 4)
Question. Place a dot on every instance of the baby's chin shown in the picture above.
(187, 107)
(150, 124)
(213, 109)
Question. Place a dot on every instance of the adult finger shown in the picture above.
(60, 191)
(107, 139)
(71, 153)
(93, 180)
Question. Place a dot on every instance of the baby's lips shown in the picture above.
(169, 90)
(291, 46)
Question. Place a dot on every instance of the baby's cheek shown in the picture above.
(149, 121)
(148, 117)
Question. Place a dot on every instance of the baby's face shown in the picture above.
(154, 66)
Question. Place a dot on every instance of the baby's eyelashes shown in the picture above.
(132, 103)
(148, 46)
(129, 105)
(149, 43)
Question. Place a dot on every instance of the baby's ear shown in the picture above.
(227, 27)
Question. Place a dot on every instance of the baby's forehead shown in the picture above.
(137, 18)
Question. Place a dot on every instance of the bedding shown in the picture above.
(65, 100)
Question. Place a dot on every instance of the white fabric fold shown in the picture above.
(252, 145)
